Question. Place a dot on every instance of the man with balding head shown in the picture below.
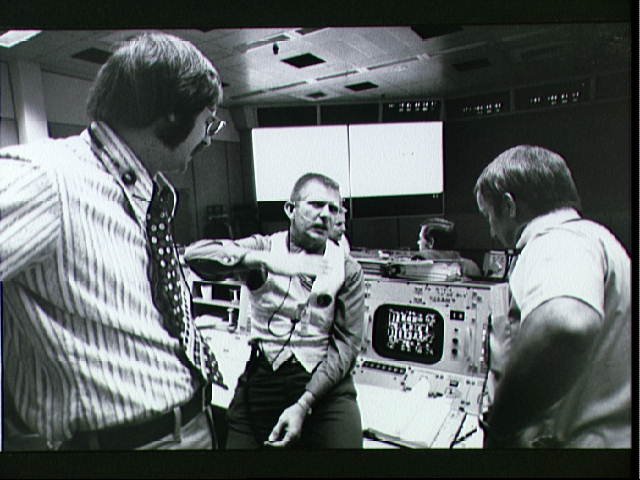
(563, 374)
(307, 321)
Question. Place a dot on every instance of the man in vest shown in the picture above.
(307, 322)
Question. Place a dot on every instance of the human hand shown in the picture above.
(288, 428)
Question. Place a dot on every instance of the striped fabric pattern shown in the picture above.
(83, 345)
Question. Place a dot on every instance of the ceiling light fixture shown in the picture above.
(11, 38)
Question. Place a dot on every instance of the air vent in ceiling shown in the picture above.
(307, 31)
(317, 95)
(472, 64)
(432, 31)
(304, 60)
(358, 87)
(93, 55)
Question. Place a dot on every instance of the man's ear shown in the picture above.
(163, 125)
(509, 205)
(288, 209)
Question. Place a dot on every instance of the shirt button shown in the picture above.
(129, 177)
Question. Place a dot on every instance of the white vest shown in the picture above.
(283, 298)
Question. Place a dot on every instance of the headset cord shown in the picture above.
(254, 358)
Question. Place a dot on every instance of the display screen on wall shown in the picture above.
(282, 154)
(395, 159)
(396, 169)
(383, 169)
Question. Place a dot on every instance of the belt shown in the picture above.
(131, 436)
(260, 358)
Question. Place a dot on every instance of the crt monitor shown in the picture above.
(408, 333)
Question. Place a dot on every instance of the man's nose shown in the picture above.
(326, 211)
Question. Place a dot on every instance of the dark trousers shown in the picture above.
(262, 394)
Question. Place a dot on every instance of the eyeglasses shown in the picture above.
(334, 208)
(213, 126)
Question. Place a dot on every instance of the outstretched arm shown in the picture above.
(229, 256)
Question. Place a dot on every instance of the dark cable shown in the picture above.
(459, 429)
(286, 295)
(294, 322)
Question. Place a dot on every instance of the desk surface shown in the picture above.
(410, 416)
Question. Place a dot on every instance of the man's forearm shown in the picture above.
(306, 401)
(549, 353)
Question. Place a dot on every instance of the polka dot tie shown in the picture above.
(169, 293)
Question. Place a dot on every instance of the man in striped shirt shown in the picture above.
(88, 362)
(307, 322)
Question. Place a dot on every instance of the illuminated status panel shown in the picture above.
(408, 333)
(425, 359)
(439, 326)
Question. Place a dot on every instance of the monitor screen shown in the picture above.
(413, 334)
(281, 155)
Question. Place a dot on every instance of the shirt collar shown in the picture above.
(120, 160)
(544, 223)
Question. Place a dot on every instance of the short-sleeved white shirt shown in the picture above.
(563, 255)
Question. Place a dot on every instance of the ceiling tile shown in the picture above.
(403, 63)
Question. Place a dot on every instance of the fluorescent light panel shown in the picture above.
(11, 38)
